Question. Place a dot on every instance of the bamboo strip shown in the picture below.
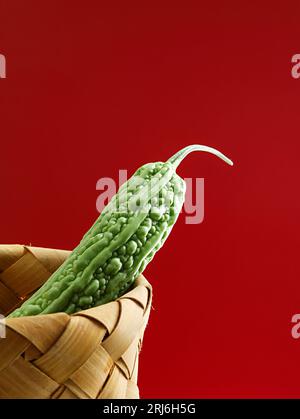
(90, 354)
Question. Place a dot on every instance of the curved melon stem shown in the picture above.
(181, 154)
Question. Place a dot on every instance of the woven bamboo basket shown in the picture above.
(88, 355)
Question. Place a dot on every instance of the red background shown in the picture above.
(92, 88)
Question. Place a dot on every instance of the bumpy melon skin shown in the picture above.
(117, 248)
(121, 243)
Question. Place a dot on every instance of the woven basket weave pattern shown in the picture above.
(90, 354)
